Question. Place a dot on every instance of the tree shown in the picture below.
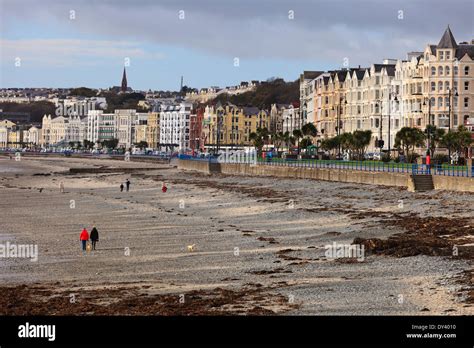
(360, 142)
(277, 139)
(305, 142)
(309, 130)
(298, 134)
(142, 145)
(408, 139)
(330, 144)
(458, 141)
(88, 144)
(259, 138)
(110, 144)
(274, 91)
(436, 137)
(347, 141)
(83, 92)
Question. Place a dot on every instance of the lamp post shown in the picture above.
(338, 125)
(393, 97)
(450, 94)
(219, 114)
(429, 122)
(380, 142)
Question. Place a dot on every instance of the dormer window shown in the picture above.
(440, 55)
(448, 55)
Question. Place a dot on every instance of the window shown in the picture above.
(466, 85)
(440, 86)
(446, 85)
(418, 122)
(433, 71)
(455, 100)
(448, 55)
(377, 123)
(440, 71)
(466, 102)
(440, 55)
(440, 102)
(432, 101)
(447, 70)
(433, 86)
(455, 120)
(455, 70)
(466, 70)
(358, 109)
(377, 80)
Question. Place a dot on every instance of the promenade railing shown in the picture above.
(370, 166)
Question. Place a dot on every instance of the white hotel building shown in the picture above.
(174, 126)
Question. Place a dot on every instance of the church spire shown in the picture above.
(124, 81)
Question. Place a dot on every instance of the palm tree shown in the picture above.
(259, 138)
(360, 142)
(408, 139)
(436, 136)
(298, 134)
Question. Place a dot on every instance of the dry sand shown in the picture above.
(259, 244)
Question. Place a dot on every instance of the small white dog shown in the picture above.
(191, 247)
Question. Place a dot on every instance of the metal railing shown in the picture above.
(370, 166)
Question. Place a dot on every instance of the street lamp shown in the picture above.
(380, 142)
(219, 114)
(429, 122)
(450, 94)
(338, 126)
(393, 97)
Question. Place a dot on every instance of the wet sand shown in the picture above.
(259, 244)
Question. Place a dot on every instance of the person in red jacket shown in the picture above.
(84, 238)
(164, 188)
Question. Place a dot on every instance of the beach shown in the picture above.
(259, 243)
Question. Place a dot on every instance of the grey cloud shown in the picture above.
(324, 31)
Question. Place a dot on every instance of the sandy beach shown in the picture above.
(259, 243)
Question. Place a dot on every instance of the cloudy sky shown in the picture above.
(71, 43)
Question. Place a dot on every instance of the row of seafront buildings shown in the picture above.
(435, 86)
(180, 126)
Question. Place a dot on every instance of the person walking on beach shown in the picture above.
(128, 184)
(84, 238)
(164, 188)
(94, 236)
(61, 187)
(121, 187)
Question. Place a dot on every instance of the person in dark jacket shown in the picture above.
(128, 184)
(94, 236)
(84, 238)
(121, 187)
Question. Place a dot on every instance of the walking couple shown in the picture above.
(84, 237)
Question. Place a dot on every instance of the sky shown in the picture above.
(73, 43)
